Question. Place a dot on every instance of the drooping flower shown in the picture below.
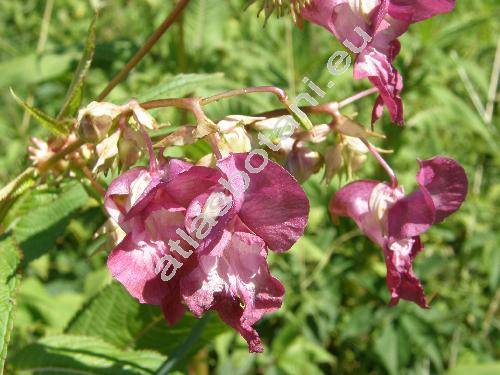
(395, 221)
(198, 237)
(370, 29)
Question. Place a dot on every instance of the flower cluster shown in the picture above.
(371, 29)
(214, 226)
(196, 235)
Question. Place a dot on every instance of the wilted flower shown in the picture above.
(395, 221)
(206, 231)
(370, 29)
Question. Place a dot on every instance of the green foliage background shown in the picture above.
(68, 315)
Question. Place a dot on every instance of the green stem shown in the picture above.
(181, 351)
(157, 34)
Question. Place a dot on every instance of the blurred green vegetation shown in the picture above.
(335, 317)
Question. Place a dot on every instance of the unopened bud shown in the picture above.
(334, 161)
(303, 163)
(128, 153)
(95, 120)
(233, 136)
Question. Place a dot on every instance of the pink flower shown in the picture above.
(395, 221)
(206, 232)
(370, 29)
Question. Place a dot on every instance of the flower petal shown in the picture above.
(237, 285)
(191, 183)
(133, 265)
(411, 216)
(353, 200)
(446, 182)
(401, 281)
(274, 206)
(415, 11)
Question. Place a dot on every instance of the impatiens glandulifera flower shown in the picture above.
(198, 237)
(370, 29)
(395, 221)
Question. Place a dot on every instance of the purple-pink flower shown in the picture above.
(207, 232)
(371, 28)
(395, 221)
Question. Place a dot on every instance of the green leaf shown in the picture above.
(37, 230)
(75, 92)
(56, 309)
(423, 339)
(15, 188)
(186, 346)
(480, 369)
(70, 354)
(33, 68)
(386, 346)
(8, 190)
(48, 122)
(9, 280)
(181, 85)
(119, 319)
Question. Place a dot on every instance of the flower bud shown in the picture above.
(233, 136)
(303, 162)
(334, 161)
(95, 120)
(357, 152)
(128, 153)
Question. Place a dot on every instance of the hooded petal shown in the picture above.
(446, 182)
(353, 200)
(273, 205)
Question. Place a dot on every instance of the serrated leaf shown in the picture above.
(181, 85)
(37, 230)
(10, 258)
(13, 189)
(118, 318)
(48, 122)
(74, 95)
(12, 186)
(71, 354)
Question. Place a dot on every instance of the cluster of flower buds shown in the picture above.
(116, 130)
